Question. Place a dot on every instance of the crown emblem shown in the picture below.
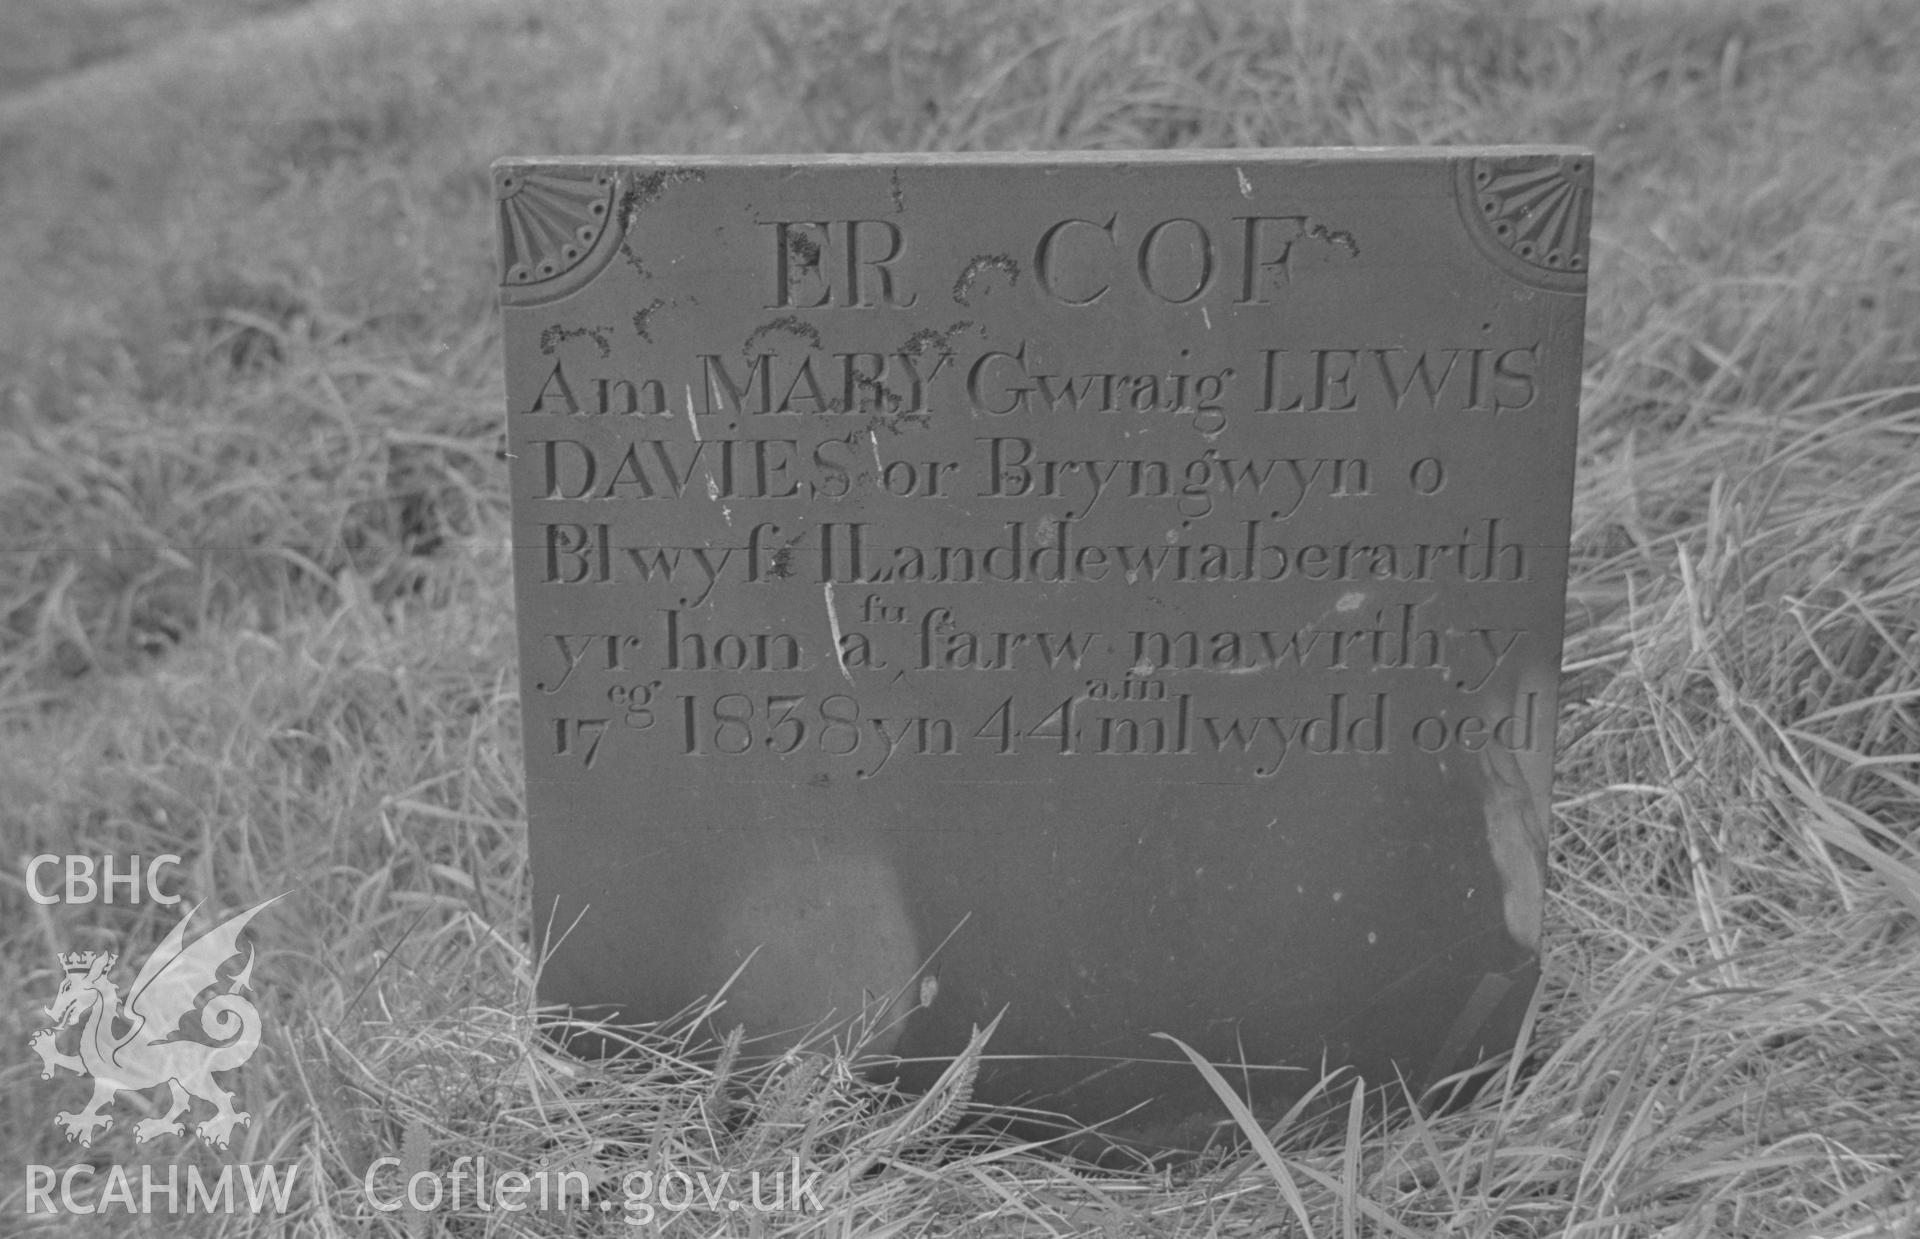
(77, 961)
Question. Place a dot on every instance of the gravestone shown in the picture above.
(1124, 590)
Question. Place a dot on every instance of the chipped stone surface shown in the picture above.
(1123, 589)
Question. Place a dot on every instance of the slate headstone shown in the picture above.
(1125, 590)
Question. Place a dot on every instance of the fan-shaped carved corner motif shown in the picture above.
(556, 230)
(1531, 214)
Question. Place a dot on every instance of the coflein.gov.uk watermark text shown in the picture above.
(468, 1185)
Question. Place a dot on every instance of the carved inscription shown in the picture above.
(1120, 590)
(920, 495)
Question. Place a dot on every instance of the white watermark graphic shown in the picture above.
(186, 1018)
(151, 1051)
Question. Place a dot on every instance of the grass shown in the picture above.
(254, 603)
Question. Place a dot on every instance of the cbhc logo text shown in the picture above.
(89, 878)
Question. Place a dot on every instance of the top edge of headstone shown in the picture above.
(1527, 207)
(1317, 154)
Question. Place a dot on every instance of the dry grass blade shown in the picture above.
(1250, 1128)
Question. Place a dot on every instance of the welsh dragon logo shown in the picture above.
(154, 1049)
